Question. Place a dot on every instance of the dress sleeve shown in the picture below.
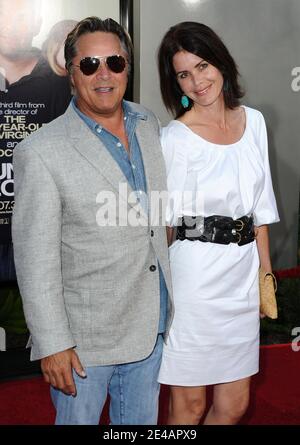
(176, 167)
(265, 211)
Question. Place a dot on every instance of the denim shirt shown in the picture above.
(133, 169)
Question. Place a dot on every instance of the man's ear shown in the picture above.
(71, 80)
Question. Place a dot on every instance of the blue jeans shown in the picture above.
(133, 390)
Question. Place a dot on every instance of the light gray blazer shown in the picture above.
(84, 285)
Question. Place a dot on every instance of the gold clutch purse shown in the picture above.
(267, 289)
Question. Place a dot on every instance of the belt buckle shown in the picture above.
(242, 225)
(237, 234)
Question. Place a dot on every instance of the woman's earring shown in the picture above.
(185, 101)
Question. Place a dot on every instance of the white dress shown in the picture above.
(214, 337)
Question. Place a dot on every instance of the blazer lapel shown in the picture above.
(95, 152)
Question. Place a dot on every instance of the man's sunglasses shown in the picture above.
(89, 65)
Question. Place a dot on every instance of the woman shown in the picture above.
(218, 171)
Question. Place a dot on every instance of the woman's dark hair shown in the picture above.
(94, 24)
(202, 41)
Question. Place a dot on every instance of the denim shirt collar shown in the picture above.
(93, 125)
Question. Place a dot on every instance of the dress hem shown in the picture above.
(229, 380)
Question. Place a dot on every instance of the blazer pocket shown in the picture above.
(92, 315)
(104, 316)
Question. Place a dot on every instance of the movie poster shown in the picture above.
(34, 87)
(34, 90)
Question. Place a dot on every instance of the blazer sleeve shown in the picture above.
(36, 233)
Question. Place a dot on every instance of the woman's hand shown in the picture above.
(170, 233)
(262, 240)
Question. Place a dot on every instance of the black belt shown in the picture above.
(216, 229)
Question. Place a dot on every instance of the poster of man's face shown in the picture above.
(20, 22)
(34, 84)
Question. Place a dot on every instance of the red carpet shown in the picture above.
(275, 395)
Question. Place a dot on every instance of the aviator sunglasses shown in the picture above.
(89, 65)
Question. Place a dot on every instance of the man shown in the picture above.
(20, 22)
(31, 94)
(29, 87)
(94, 287)
(19, 60)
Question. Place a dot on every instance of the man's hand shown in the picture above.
(57, 370)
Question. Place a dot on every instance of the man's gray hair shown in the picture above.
(95, 24)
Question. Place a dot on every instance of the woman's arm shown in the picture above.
(263, 247)
(170, 232)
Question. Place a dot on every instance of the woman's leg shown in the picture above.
(186, 405)
(230, 403)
